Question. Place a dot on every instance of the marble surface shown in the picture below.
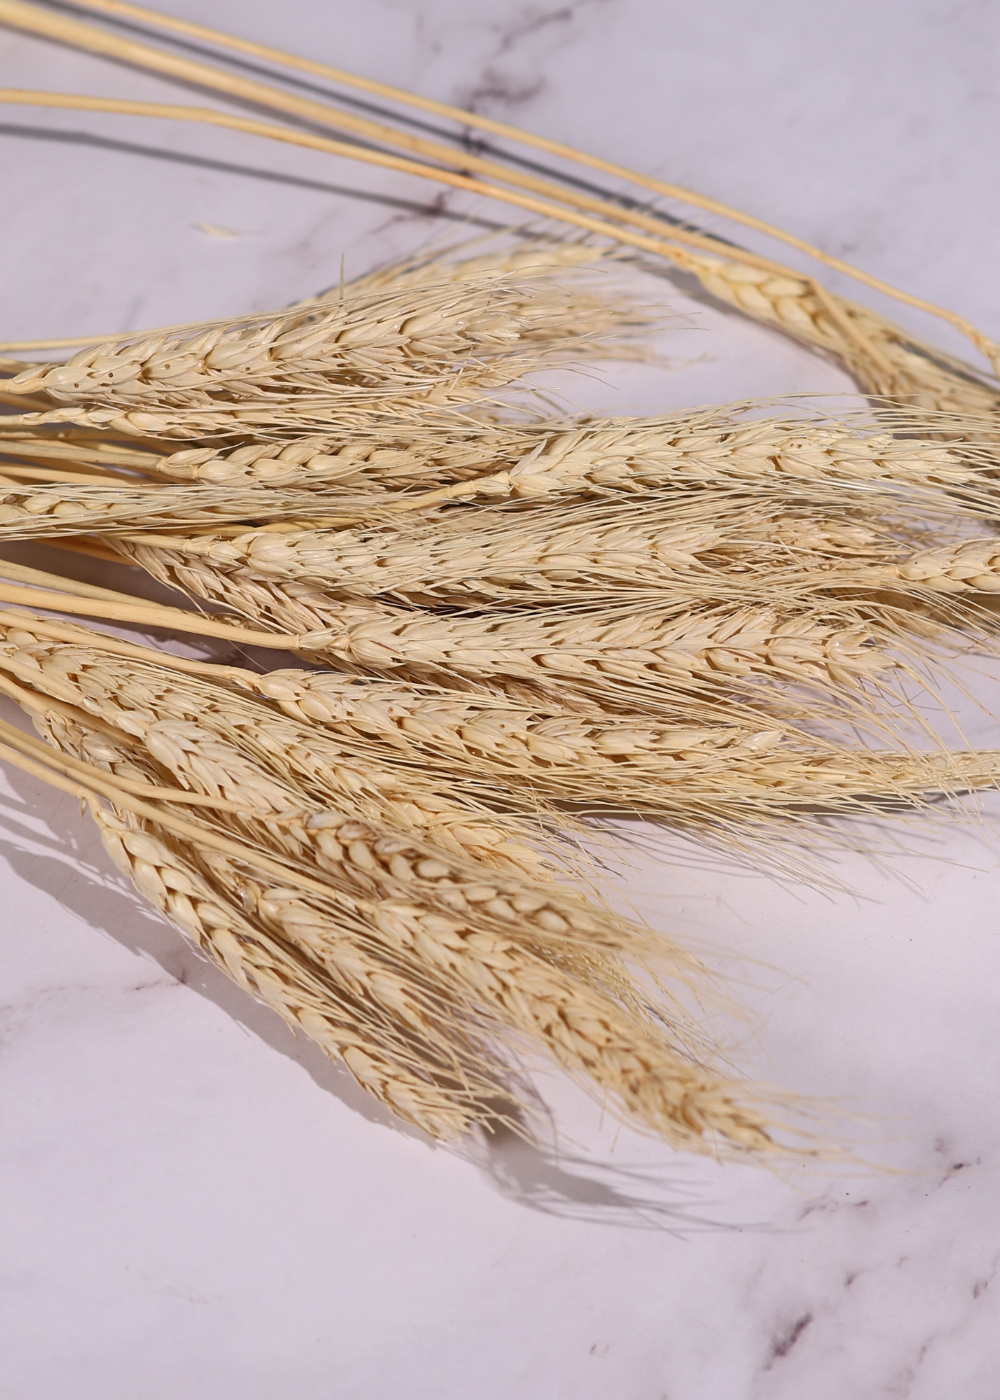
(193, 1202)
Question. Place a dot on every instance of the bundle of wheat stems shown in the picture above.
(508, 624)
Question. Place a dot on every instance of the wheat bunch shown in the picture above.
(829, 465)
(373, 854)
(831, 663)
(842, 661)
(444, 963)
(656, 656)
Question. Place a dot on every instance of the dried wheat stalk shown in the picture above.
(389, 350)
(373, 473)
(688, 775)
(694, 549)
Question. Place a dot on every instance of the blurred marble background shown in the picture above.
(192, 1201)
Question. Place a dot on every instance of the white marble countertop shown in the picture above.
(194, 1203)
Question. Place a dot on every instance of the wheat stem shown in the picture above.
(155, 615)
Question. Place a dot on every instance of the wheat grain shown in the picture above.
(969, 566)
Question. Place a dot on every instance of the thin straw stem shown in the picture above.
(84, 36)
(155, 615)
(266, 95)
(91, 454)
(349, 151)
(115, 646)
(38, 578)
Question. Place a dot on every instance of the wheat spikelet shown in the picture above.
(718, 448)
(180, 718)
(967, 566)
(626, 762)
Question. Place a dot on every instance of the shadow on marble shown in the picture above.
(104, 900)
(674, 1197)
(433, 208)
